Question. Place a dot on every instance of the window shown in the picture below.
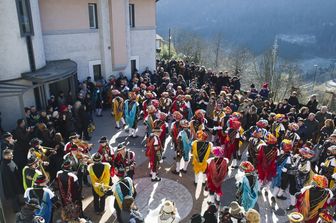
(25, 19)
(93, 19)
(97, 72)
(131, 15)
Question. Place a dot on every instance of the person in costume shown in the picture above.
(44, 195)
(175, 128)
(216, 172)
(305, 172)
(79, 162)
(124, 158)
(69, 193)
(154, 152)
(123, 188)
(165, 102)
(292, 135)
(230, 141)
(285, 149)
(189, 104)
(313, 198)
(197, 122)
(39, 151)
(247, 193)
(149, 119)
(289, 179)
(131, 112)
(148, 101)
(163, 125)
(99, 173)
(261, 124)
(183, 147)
(118, 108)
(218, 115)
(277, 127)
(266, 162)
(328, 167)
(201, 149)
(325, 217)
(30, 173)
(295, 217)
(105, 150)
(73, 138)
(254, 143)
(180, 106)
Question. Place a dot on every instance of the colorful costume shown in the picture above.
(197, 123)
(328, 168)
(126, 159)
(165, 103)
(248, 189)
(201, 150)
(266, 160)
(131, 111)
(69, 192)
(99, 173)
(149, 119)
(216, 172)
(183, 146)
(123, 188)
(230, 141)
(154, 153)
(175, 128)
(314, 198)
(118, 108)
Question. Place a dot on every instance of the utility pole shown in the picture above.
(169, 37)
(316, 66)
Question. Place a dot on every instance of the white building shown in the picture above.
(45, 45)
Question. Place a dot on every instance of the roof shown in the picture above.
(158, 37)
(11, 88)
(52, 71)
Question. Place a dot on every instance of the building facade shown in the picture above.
(45, 45)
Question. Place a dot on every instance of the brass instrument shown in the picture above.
(40, 165)
(83, 145)
(102, 187)
(83, 158)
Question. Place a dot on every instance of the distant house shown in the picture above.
(159, 43)
(46, 45)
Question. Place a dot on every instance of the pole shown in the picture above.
(315, 75)
(169, 44)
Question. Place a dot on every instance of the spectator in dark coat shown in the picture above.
(312, 104)
(210, 214)
(22, 135)
(11, 180)
(323, 115)
(293, 100)
(312, 127)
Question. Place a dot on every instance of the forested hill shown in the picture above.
(305, 28)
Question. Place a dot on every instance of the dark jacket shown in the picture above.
(10, 179)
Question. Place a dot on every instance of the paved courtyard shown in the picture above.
(180, 189)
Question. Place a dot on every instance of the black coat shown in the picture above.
(10, 179)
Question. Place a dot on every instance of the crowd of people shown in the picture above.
(279, 148)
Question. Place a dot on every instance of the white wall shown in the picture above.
(37, 38)
(79, 47)
(143, 45)
(13, 50)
